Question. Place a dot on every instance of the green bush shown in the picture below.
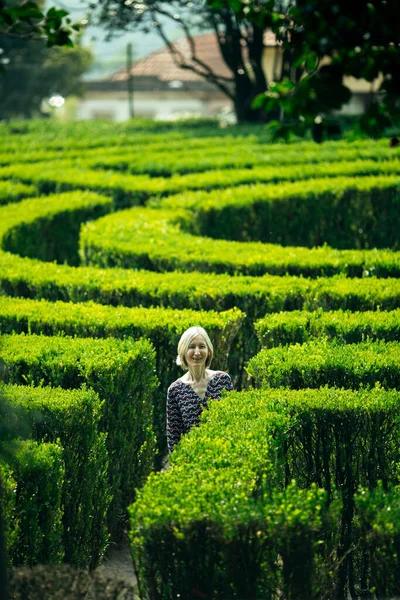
(122, 372)
(47, 228)
(379, 512)
(72, 417)
(33, 520)
(221, 505)
(351, 327)
(318, 363)
(12, 191)
(159, 173)
(30, 278)
(162, 326)
(154, 239)
(228, 498)
(342, 212)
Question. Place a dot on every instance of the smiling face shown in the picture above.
(197, 352)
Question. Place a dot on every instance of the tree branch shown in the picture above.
(181, 62)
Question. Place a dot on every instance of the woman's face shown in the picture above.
(197, 352)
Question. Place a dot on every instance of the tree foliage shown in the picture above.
(36, 72)
(241, 42)
(320, 43)
(330, 40)
(27, 20)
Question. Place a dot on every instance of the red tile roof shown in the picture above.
(161, 65)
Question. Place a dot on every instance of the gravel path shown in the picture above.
(118, 563)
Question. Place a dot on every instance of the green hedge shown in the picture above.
(163, 326)
(13, 192)
(379, 512)
(317, 363)
(351, 327)
(239, 157)
(342, 439)
(47, 228)
(22, 276)
(344, 213)
(218, 507)
(72, 417)
(34, 519)
(126, 190)
(122, 372)
(153, 239)
(228, 497)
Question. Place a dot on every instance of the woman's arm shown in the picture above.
(174, 421)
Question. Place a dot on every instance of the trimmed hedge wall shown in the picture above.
(317, 363)
(341, 212)
(13, 192)
(122, 372)
(379, 511)
(30, 278)
(155, 240)
(47, 228)
(34, 475)
(162, 326)
(351, 327)
(72, 418)
(228, 498)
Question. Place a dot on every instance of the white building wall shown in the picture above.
(160, 105)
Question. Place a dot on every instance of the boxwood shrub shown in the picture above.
(72, 418)
(13, 192)
(284, 328)
(47, 228)
(155, 239)
(229, 497)
(122, 372)
(321, 362)
(343, 212)
(34, 475)
(154, 177)
(27, 277)
(379, 511)
(163, 326)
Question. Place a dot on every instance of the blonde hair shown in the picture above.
(185, 342)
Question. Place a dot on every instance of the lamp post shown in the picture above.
(130, 78)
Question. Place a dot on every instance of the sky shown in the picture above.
(111, 56)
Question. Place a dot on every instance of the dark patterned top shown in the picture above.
(184, 406)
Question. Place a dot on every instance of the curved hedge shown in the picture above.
(127, 189)
(27, 277)
(341, 212)
(228, 498)
(11, 191)
(159, 239)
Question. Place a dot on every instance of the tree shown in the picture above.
(13, 425)
(26, 20)
(241, 42)
(330, 40)
(36, 72)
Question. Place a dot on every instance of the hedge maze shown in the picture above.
(116, 240)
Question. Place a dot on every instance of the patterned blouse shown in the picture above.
(184, 406)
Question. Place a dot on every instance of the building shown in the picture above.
(163, 90)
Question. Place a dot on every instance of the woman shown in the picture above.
(189, 394)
